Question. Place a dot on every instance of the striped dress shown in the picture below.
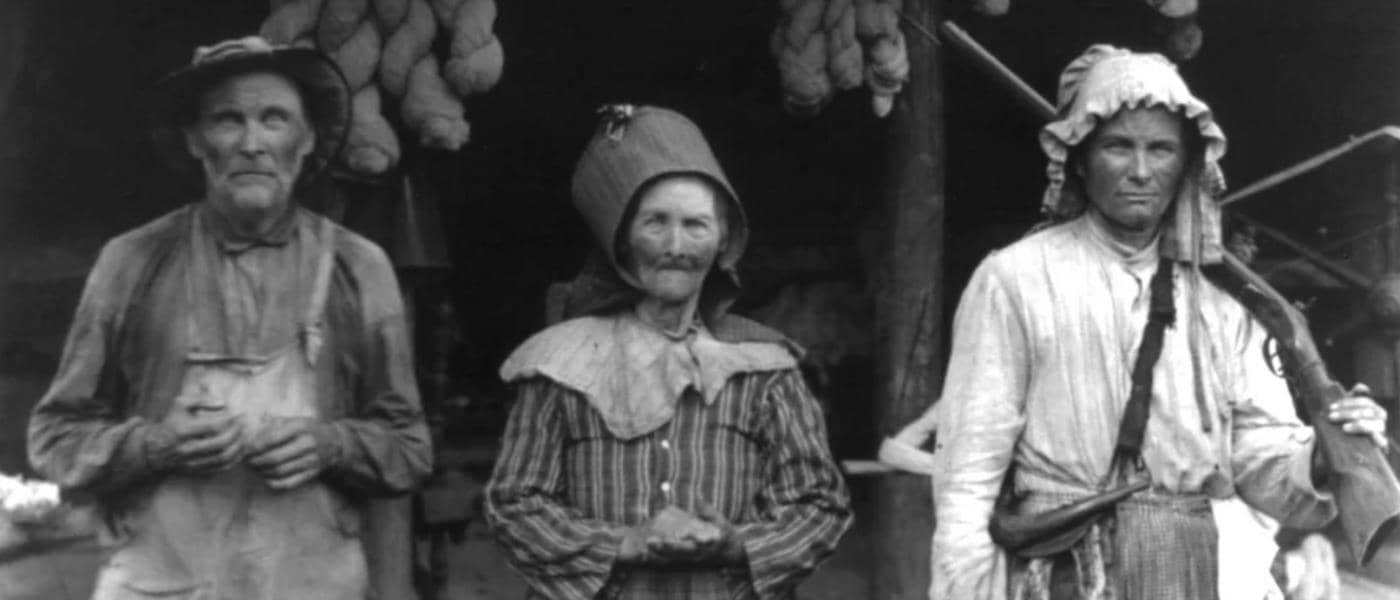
(565, 488)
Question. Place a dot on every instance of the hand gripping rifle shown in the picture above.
(1367, 494)
(1360, 477)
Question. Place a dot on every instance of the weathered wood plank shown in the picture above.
(909, 307)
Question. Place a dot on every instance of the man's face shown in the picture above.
(251, 134)
(674, 238)
(1133, 167)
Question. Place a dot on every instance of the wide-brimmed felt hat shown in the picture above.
(324, 92)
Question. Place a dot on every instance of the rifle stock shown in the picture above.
(1360, 477)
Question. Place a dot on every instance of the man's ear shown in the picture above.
(193, 144)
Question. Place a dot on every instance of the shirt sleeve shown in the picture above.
(1272, 456)
(984, 396)
(382, 447)
(79, 436)
(559, 552)
(805, 508)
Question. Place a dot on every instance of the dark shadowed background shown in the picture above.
(1286, 78)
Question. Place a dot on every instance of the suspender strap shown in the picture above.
(1161, 313)
(313, 323)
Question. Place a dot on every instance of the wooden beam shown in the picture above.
(909, 307)
(1388, 134)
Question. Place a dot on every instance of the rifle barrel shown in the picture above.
(1000, 73)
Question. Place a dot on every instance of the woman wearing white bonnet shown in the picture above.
(1046, 340)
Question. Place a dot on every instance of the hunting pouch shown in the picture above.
(1055, 531)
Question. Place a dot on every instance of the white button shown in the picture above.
(665, 444)
(666, 486)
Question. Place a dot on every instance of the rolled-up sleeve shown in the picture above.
(1273, 450)
(79, 434)
(559, 552)
(982, 420)
(806, 508)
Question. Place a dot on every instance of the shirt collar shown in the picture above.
(230, 241)
(1129, 255)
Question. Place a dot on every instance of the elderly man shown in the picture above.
(659, 446)
(1051, 342)
(237, 380)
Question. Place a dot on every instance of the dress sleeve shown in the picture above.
(805, 505)
(560, 553)
(1272, 454)
(79, 436)
(984, 397)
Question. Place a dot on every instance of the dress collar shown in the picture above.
(631, 374)
(690, 330)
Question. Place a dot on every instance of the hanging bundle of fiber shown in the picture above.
(347, 32)
(292, 22)
(384, 47)
(1174, 9)
(430, 109)
(1184, 38)
(886, 58)
(822, 46)
(410, 72)
(476, 58)
(991, 8)
(1181, 35)
(409, 30)
(844, 64)
(800, 47)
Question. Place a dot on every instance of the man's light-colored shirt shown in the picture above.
(125, 355)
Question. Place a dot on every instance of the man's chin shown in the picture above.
(254, 200)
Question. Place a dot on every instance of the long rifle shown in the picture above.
(1368, 497)
(1361, 480)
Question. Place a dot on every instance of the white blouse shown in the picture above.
(1043, 343)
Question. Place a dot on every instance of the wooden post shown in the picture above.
(909, 307)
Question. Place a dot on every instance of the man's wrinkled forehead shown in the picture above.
(253, 86)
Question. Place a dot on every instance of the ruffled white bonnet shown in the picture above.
(1095, 87)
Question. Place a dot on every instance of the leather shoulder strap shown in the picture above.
(1161, 314)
